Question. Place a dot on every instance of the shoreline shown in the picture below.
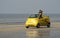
(22, 23)
(12, 23)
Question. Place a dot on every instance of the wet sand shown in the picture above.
(19, 31)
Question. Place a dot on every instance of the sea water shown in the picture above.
(21, 18)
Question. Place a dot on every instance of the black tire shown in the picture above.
(48, 26)
(27, 26)
(38, 26)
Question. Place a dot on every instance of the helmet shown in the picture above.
(40, 11)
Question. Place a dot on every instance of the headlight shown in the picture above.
(34, 21)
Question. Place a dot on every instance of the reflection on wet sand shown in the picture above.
(52, 32)
(37, 33)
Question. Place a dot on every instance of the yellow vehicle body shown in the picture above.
(37, 22)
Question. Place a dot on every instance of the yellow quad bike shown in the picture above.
(36, 21)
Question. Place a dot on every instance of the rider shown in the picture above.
(40, 13)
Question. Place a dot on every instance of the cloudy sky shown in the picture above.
(29, 6)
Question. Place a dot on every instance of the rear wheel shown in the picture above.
(48, 26)
(38, 26)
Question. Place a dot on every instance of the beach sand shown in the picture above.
(19, 31)
(53, 24)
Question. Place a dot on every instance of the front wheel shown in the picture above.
(38, 26)
(27, 26)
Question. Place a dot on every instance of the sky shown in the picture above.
(29, 6)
